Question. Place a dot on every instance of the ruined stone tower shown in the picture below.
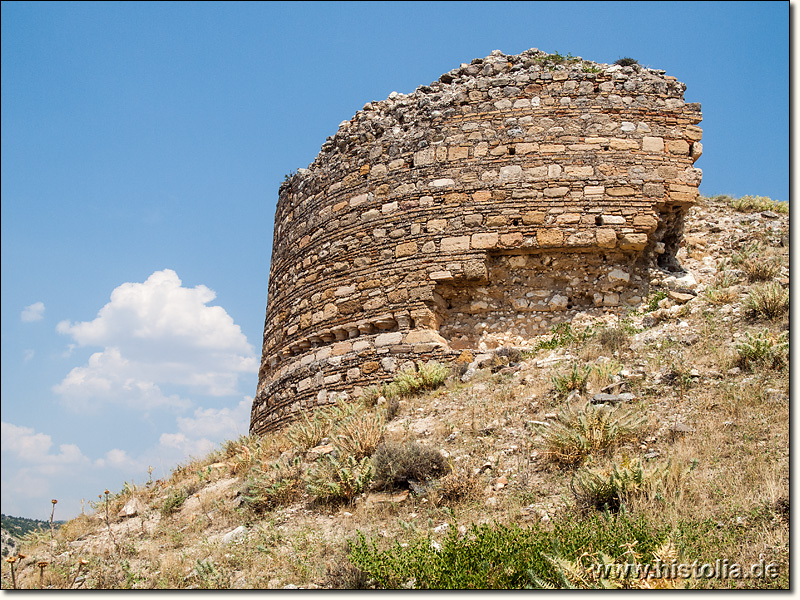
(508, 196)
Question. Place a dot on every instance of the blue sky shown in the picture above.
(142, 149)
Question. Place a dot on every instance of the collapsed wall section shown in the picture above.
(507, 197)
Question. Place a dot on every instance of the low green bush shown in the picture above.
(494, 556)
(173, 502)
(335, 481)
(757, 204)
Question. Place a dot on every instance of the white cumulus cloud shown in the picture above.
(157, 335)
(216, 423)
(34, 449)
(33, 312)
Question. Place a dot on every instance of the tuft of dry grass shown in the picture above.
(769, 301)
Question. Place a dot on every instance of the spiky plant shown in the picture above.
(275, 484)
(574, 379)
(339, 481)
(360, 434)
(610, 489)
(307, 432)
(763, 350)
(588, 430)
(767, 300)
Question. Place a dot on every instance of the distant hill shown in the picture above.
(16, 527)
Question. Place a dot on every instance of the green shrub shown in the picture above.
(575, 379)
(768, 300)
(562, 336)
(763, 350)
(608, 490)
(494, 556)
(579, 433)
(279, 484)
(397, 462)
(757, 204)
(426, 376)
(173, 502)
(335, 481)
(652, 302)
(626, 62)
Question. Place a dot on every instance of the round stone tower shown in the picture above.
(508, 196)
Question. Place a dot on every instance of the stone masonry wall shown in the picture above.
(508, 196)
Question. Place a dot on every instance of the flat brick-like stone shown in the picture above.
(620, 191)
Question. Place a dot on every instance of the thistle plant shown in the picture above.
(588, 430)
(52, 513)
(11, 560)
(41, 564)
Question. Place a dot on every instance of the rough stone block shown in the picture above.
(370, 367)
(458, 152)
(526, 148)
(455, 244)
(556, 192)
(646, 222)
(568, 218)
(678, 147)
(606, 238)
(510, 173)
(633, 241)
(511, 240)
(436, 225)
(533, 218)
(484, 240)
(549, 237)
(405, 249)
(652, 144)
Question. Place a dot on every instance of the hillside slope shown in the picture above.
(663, 435)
